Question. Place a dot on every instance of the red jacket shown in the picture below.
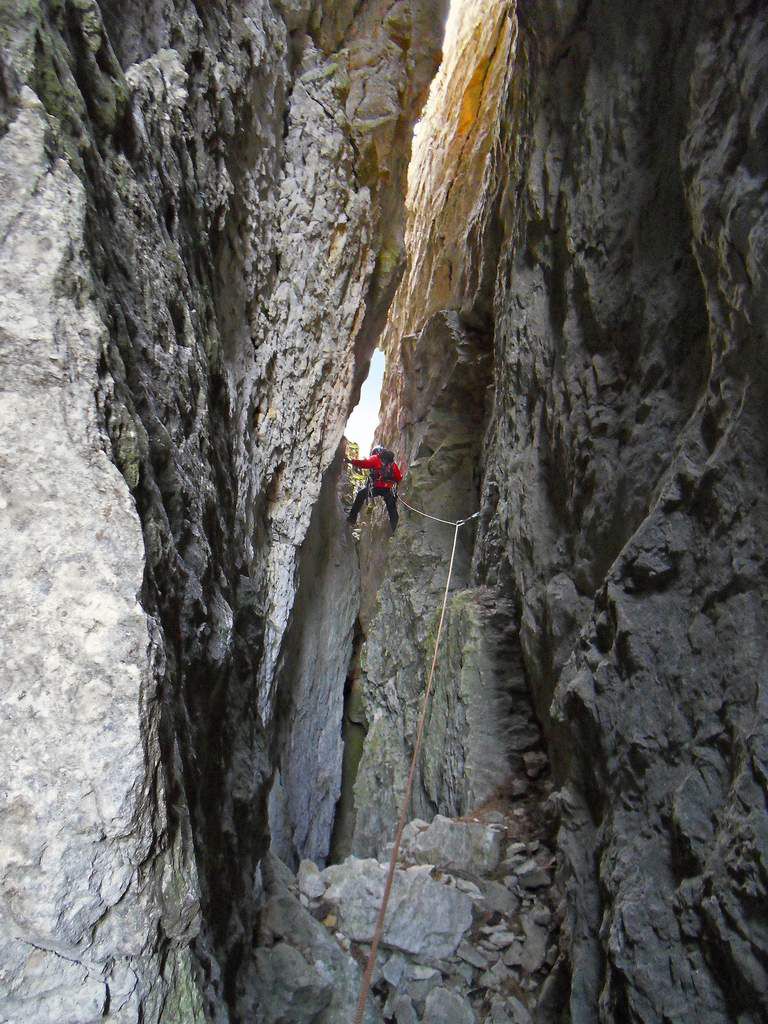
(375, 464)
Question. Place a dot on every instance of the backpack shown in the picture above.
(386, 473)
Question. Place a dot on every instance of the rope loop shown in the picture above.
(436, 519)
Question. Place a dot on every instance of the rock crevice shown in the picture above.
(204, 230)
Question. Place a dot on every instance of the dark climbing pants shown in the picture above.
(378, 492)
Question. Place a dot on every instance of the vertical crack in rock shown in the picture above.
(318, 650)
(202, 236)
(354, 731)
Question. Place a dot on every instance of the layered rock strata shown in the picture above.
(201, 227)
(591, 196)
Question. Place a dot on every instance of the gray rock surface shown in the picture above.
(403, 1011)
(446, 1007)
(636, 428)
(455, 846)
(466, 749)
(310, 882)
(83, 885)
(290, 988)
(201, 230)
(607, 226)
(314, 666)
(447, 951)
(425, 918)
(202, 223)
(302, 972)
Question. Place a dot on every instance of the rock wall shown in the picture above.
(397, 629)
(202, 225)
(202, 232)
(317, 654)
(591, 196)
(435, 413)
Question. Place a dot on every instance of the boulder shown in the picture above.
(508, 1011)
(532, 876)
(496, 977)
(310, 882)
(446, 1007)
(535, 944)
(498, 899)
(421, 981)
(276, 877)
(472, 955)
(393, 969)
(286, 925)
(290, 989)
(425, 918)
(456, 846)
(403, 1011)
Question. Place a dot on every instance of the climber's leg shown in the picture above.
(391, 502)
(357, 505)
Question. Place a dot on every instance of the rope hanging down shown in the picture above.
(379, 929)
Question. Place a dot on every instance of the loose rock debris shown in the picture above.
(471, 933)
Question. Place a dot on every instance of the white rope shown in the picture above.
(379, 928)
(448, 522)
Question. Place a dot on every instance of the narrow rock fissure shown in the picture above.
(211, 214)
(353, 732)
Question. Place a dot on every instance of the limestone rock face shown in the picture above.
(202, 230)
(465, 751)
(605, 224)
(629, 388)
(202, 220)
(77, 870)
(318, 651)
(436, 409)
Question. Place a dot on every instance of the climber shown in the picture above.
(382, 482)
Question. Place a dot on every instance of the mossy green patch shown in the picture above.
(19, 22)
(128, 458)
(184, 1004)
(368, 165)
(389, 259)
(53, 77)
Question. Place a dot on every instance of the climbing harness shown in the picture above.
(379, 929)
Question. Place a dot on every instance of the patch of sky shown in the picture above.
(362, 424)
